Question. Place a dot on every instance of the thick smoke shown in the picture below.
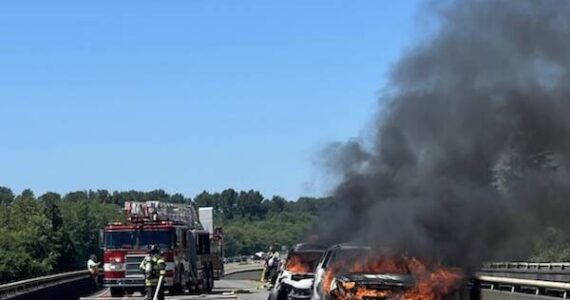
(472, 150)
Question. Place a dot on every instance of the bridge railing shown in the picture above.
(526, 266)
(526, 278)
(559, 271)
(12, 289)
(537, 288)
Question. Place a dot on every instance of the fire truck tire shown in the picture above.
(211, 277)
(209, 285)
(191, 286)
(176, 289)
(117, 292)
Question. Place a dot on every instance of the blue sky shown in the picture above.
(189, 95)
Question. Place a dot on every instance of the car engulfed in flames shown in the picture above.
(295, 280)
(387, 277)
(371, 286)
(299, 264)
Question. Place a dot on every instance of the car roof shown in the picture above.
(303, 247)
(349, 246)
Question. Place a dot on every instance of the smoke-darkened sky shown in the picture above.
(470, 158)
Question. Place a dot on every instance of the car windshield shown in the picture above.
(349, 255)
(303, 262)
(130, 239)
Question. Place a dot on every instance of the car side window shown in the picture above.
(326, 259)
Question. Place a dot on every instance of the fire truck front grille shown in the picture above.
(132, 263)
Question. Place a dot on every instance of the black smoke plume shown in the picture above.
(471, 154)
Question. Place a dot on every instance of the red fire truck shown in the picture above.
(193, 252)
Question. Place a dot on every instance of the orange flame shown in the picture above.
(296, 265)
(434, 285)
(430, 283)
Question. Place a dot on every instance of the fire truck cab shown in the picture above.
(192, 253)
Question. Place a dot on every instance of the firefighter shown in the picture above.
(272, 262)
(153, 267)
(268, 255)
(93, 267)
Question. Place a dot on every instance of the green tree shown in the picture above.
(228, 203)
(6, 195)
(277, 204)
(76, 196)
(158, 195)
(25, 245)
(27, 194)
(249, 205)
(178, 198)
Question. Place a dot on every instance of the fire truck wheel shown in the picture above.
(191, 287)
(211, 279)
(209, 284)
(117, 292)
(177, 287)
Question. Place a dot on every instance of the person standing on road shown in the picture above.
(153, 267)
(273, 262)
(267, 257)
(93, 267)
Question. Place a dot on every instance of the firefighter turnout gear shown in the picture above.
(153, 267)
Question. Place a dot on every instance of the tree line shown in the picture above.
(55, 233)
(252, 223)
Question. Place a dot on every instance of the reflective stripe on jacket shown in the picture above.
(153, 266)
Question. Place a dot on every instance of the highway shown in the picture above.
(225, 289)
(241, 286)
(494, 281)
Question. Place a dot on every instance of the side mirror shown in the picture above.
(101, 239)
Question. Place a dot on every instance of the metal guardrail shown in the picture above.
(523, 286)
(526, 266)
(540, 279)
(557, 272)
(492, 276)
(25, 286)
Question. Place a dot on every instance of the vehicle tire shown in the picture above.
(207, 285)
(191, 287)
(176, 289)
(282, 295)
(211, 279)
(117, 292)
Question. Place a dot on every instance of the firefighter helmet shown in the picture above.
(154, 249)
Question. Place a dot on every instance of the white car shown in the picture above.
(334, 254)
(295, 280)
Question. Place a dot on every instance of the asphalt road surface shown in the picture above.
(224, 290)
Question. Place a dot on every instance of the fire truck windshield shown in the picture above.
(120, 239)
(161, 237)
(130, 239)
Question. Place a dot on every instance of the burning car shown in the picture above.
(350, 272)
(326, 268)
(296, 277)
(371, 286)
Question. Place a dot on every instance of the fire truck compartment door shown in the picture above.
(191, 249)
